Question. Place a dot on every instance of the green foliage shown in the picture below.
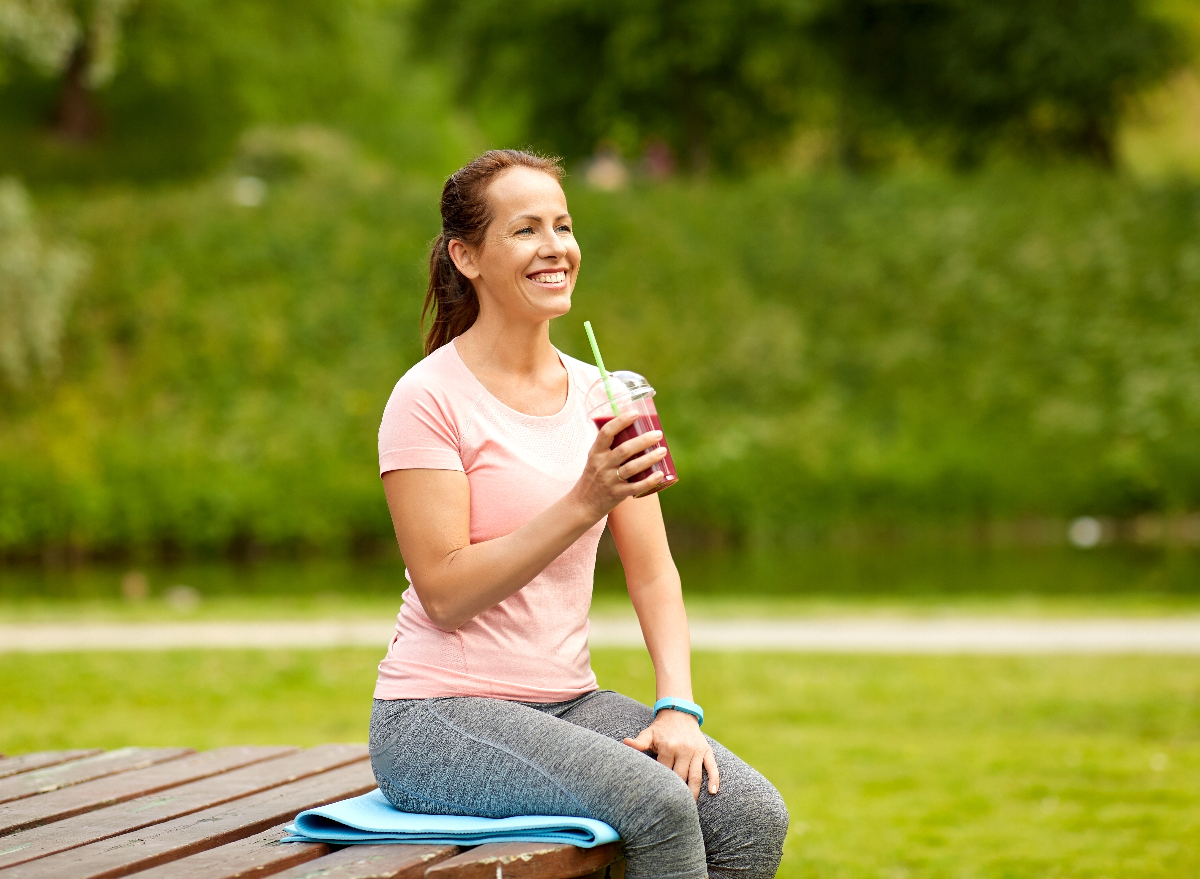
(192, 77)
(37, 280)
(48, 34)
(826, 351)
(1044, 76)
(725, 83)
(228, 362)
(717, 81)
(1016, 767)
(834, 349)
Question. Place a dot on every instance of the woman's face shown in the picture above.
(529, 259)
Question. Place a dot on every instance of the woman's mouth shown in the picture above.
(553, 280)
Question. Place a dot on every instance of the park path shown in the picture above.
(1179, 635)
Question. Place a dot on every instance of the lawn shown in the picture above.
(891, 767)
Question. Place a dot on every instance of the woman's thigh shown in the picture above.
(476, 756)
(744, 824)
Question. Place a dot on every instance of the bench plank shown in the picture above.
(38, 842)
(398, 861)
(41, 781)
(101, 792)
(526, 860)
(26, 762)
(200, 831)
(256, 855)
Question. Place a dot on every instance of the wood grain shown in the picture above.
(38, 842)
(27, 762)
(171, 840)
(91, 795)
(373, 862)
(41, 781)
(526, 860)
(259, 855)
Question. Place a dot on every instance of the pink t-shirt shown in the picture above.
(531, 647)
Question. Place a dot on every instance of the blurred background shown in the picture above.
(918, 282)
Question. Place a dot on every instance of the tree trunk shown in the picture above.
(1097, 142)
(77, 118)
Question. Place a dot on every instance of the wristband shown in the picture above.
(680, 705)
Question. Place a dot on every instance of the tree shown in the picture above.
(74, 41)
(192, 76)
(1039, 76)
(717, 81)
(727, 81)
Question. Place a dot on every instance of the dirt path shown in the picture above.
(1180, 635)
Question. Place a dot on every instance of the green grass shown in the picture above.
(335, 606)
(798, 581)
(891, 767)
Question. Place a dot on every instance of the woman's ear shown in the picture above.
(463, 261)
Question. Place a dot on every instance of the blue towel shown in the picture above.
(372, 819)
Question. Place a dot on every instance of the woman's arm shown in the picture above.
(654, 587)
(455, 579)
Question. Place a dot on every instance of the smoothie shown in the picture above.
(645, 424)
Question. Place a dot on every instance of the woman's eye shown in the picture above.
(564, 228)
(525, 230)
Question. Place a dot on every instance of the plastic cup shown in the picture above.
(632, 393)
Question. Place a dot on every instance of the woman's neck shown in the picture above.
(516, 363)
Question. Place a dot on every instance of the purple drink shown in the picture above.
(634, 394)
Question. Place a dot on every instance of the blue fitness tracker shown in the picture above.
(680, 705)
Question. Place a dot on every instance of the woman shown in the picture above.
(499, 489)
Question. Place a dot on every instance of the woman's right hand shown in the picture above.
(602, 485)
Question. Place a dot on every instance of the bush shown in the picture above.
(826, 351)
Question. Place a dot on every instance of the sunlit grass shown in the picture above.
(609, 604)
(891, 767)
(772, 582)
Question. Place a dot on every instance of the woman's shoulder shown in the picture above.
(442, 370)
(440, 379)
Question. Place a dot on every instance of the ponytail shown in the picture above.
(450, 297)
(466, 213)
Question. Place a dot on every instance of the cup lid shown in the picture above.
(626, 387)
(637, 384)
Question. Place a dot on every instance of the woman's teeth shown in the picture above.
(550, 277)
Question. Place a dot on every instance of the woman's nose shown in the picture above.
(552, 247)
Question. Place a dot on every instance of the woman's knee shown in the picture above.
(773, 817)
(745, 826)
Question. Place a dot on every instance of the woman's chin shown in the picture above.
(550, 307)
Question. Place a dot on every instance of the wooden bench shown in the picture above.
(220, 814)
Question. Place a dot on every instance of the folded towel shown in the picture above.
(372, 819)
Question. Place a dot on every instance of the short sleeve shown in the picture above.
(418, 430)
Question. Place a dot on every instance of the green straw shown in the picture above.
(612, 401)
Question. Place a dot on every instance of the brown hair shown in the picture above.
(466, 214)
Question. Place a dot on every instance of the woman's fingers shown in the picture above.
(640, 443)
(634, 466)
(695, 776)
(608, 433)
(605, 481)
(644, 741)
(682, 757)
(714, 774)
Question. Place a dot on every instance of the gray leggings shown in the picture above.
(489, 757)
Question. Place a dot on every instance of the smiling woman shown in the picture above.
(499, 489)
(524, 190)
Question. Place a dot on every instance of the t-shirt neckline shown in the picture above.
(542, 419)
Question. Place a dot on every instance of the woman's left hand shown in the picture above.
(675, 739)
